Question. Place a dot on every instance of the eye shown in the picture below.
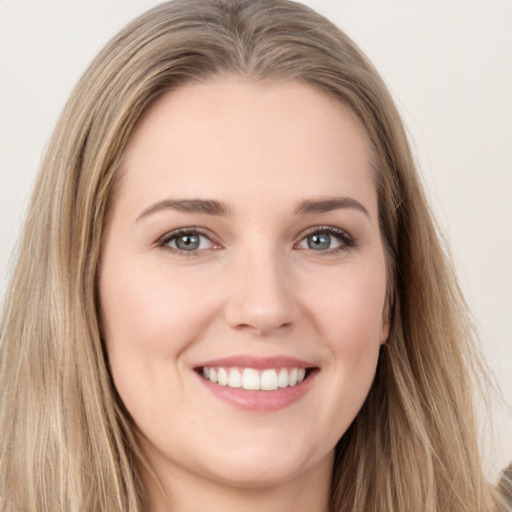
(327, 239)
(187, 240)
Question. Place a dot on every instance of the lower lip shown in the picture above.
(266, 401)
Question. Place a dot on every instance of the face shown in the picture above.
(243, 280)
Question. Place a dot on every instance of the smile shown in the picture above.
(252, 379)
(259, 384)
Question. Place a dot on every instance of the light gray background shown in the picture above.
(448, 65)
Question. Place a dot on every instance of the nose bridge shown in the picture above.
(261, 298)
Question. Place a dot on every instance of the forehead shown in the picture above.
(234, 138)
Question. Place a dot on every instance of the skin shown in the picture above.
(254, 287)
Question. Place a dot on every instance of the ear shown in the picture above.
(387, 314)
(386, 327)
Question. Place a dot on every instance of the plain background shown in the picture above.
(448, 66)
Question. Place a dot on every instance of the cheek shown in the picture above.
(148, 312)
(148, 320)
(351, 326)
(349, 307)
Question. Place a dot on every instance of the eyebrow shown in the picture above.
(204, 206)
(329, 204)
(216, 208)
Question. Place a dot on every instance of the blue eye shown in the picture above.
(187, 241)
(327, 239)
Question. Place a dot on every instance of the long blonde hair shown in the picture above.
(66, 441)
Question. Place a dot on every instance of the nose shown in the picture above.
(261, 296)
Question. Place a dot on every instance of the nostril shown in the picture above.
(260, 305)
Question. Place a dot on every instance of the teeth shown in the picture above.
(223, 377)
(250, 379)
(282, 379)
(269, 380)
(292, 377)
(234, 379)
(254, 380)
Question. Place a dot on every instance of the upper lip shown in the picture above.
(258, 363)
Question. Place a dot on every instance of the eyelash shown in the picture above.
(173, 235)
(347, 241)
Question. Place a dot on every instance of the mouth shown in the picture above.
(253, 379)
(257, 384)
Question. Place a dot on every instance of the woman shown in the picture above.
(239, 297)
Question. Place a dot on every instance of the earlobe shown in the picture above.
(385, 330)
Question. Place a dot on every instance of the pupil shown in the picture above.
(318, 242)
(187, 242)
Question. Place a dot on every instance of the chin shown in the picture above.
(256, 476)
(262, 468)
